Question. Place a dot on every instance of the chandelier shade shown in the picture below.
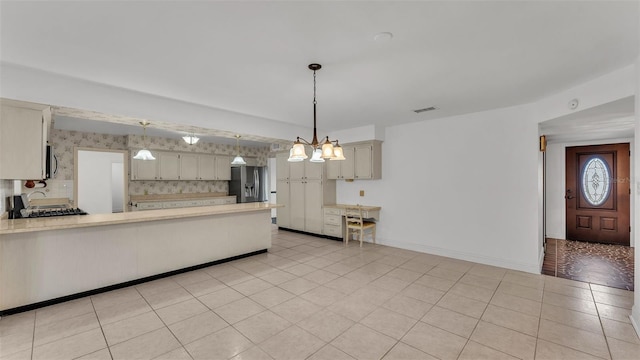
(238, 160)
(190, 139)
(144, 154)
(320, 150)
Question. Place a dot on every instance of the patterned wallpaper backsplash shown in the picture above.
(64, 141)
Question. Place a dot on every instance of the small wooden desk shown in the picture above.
(334, 223)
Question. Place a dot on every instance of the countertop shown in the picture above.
(364, 207)
(79, 221)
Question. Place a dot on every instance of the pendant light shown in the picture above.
(144, 154)
(190, 139)
(321, 150)
(238, 160)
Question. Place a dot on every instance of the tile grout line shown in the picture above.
(101, 329)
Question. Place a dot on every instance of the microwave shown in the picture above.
(51, 163)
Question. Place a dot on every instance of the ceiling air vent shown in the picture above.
(425, 109)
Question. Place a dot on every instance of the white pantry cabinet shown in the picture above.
(24, 128)
(303, 195)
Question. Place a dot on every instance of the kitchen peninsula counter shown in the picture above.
(78, 221)
(44, 261)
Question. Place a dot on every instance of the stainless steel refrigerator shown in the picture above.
(249, 184)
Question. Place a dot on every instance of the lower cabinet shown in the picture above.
(303, 201)
(283, 214)
(174, 204)
(332, 222)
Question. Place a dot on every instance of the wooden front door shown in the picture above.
(598, 193)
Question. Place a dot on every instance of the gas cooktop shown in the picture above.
(56, 212)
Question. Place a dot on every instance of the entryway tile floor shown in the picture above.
(313, 298)
(602, 264)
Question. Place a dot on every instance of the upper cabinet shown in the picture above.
(343, 169)
(282, 166)
(23, 139)
(223, 167)
(363, 161)
(181, 166)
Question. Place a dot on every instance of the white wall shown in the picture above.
(465, 187)
(95, 187)
(28, 84)
(556, 209)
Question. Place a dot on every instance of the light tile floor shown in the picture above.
(313, 298)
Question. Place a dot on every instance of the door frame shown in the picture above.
(555, 182)
(125, 164)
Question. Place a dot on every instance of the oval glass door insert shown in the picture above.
(596, 182)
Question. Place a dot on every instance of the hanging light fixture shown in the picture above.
(190, 139)
(321, 150)
(238, 160)
(144, 154)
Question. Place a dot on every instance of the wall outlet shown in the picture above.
(361, 192)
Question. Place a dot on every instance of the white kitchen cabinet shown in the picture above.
(188, 166)
(282, 166)
(283, 214)
(342, 169)
(168, 166)
(303, 195)
(23, 140)
(206, 167)
(297, 204)
(313, 202)
(363, 161)
(144, 169)
(223, 167)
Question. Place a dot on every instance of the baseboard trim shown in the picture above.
(460, 255)
(635, 325)
(79, 295)
(312, 234)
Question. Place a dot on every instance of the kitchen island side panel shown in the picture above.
(44, 265)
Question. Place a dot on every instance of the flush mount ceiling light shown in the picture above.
(190, 139)
(144, 154)
(320, 150)
(238, 160)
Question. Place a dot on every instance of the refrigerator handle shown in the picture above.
(256, 181)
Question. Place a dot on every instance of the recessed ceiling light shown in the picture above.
(383, 37)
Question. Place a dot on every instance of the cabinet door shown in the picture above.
(347, 165)
(169, 166)
(313, 214)
(296, 170)
(283, 213)
(21, 143)
(188, 167)
(297, 200)
(282, 166)
(313, 171)
(206, 167)
(144, 169)
(363, 162)
(334, 169)
(223, 167)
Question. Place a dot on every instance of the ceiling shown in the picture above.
(251, 57)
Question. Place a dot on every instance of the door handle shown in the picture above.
(569, 197)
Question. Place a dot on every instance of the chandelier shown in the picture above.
(144, 154)
(238, 160)
(320, 150)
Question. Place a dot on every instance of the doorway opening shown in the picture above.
(588, 210)
(101, 180)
